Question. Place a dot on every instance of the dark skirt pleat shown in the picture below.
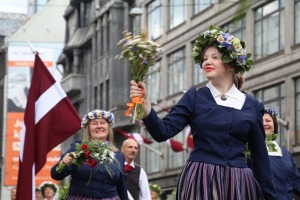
(85, 197)
(202, 181)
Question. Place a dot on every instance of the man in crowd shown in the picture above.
(13, 193)
(137, 180)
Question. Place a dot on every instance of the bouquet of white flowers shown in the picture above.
(142, 55)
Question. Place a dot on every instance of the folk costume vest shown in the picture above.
(133, 179)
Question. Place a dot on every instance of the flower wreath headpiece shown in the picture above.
(271, 111)
(46, 184)
(233, 49)
(156, 188)
(98, 114)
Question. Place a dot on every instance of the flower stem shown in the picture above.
(61, 167)
(134, 114)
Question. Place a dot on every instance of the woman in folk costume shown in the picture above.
(155, 191)
(222, 119)
(284, 168)
(95, 183)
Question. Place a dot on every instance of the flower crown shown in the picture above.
(98, 114)
(233, 49)
(271, 111)
(46, 184)
(156, 188)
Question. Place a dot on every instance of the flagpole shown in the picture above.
(153, 149)
(31, 48)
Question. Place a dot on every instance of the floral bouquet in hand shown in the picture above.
(271, 147)
(91, 153)
(141, 54)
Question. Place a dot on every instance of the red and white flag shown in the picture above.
(136, 136)
(49, 119)
(175, 145)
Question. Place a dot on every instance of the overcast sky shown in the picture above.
(13, 6)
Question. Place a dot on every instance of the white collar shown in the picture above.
(278, 151)
(233, 92)
(132, 163)
(235, 98)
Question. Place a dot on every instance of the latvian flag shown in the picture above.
(49, 119)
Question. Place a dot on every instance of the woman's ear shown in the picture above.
(231, 68)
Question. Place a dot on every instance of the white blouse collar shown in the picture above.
(235, 98)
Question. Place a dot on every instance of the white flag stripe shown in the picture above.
(187, 132)
(52, 96)
(33, 182)
(138, 138)
(22, 141)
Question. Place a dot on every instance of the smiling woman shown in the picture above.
(222, 119)
(99, 129)
(106, 180)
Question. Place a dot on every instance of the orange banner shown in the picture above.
(13, 134)
(27, 63)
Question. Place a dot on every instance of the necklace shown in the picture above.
(223, 97)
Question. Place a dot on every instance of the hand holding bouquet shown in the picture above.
(141, 54)
(90, 153)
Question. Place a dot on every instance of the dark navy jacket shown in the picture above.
(101, 185)
(219, 133)
(286, 175)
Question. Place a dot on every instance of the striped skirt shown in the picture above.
(202, 181)
(84, 197)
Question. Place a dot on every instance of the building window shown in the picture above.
(108, 36)
(95, 96)
(153, 160)
(107, 100)
(176, 75)
(237, 28)
(297, 21)
(176, 12)
(198, 75)
(269, 29)
(297, 95)
(85, 8)
(176, 159)
(155, 19)
(101, 98)
(154, 83)
(200, 5)
(274, 96)
(102, 40)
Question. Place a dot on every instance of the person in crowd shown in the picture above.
(13, 193)
(284, 168)
(48, 190)
(137, 180)
(38, 194)
(156, 191)
(95, 183)
(222, 119)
